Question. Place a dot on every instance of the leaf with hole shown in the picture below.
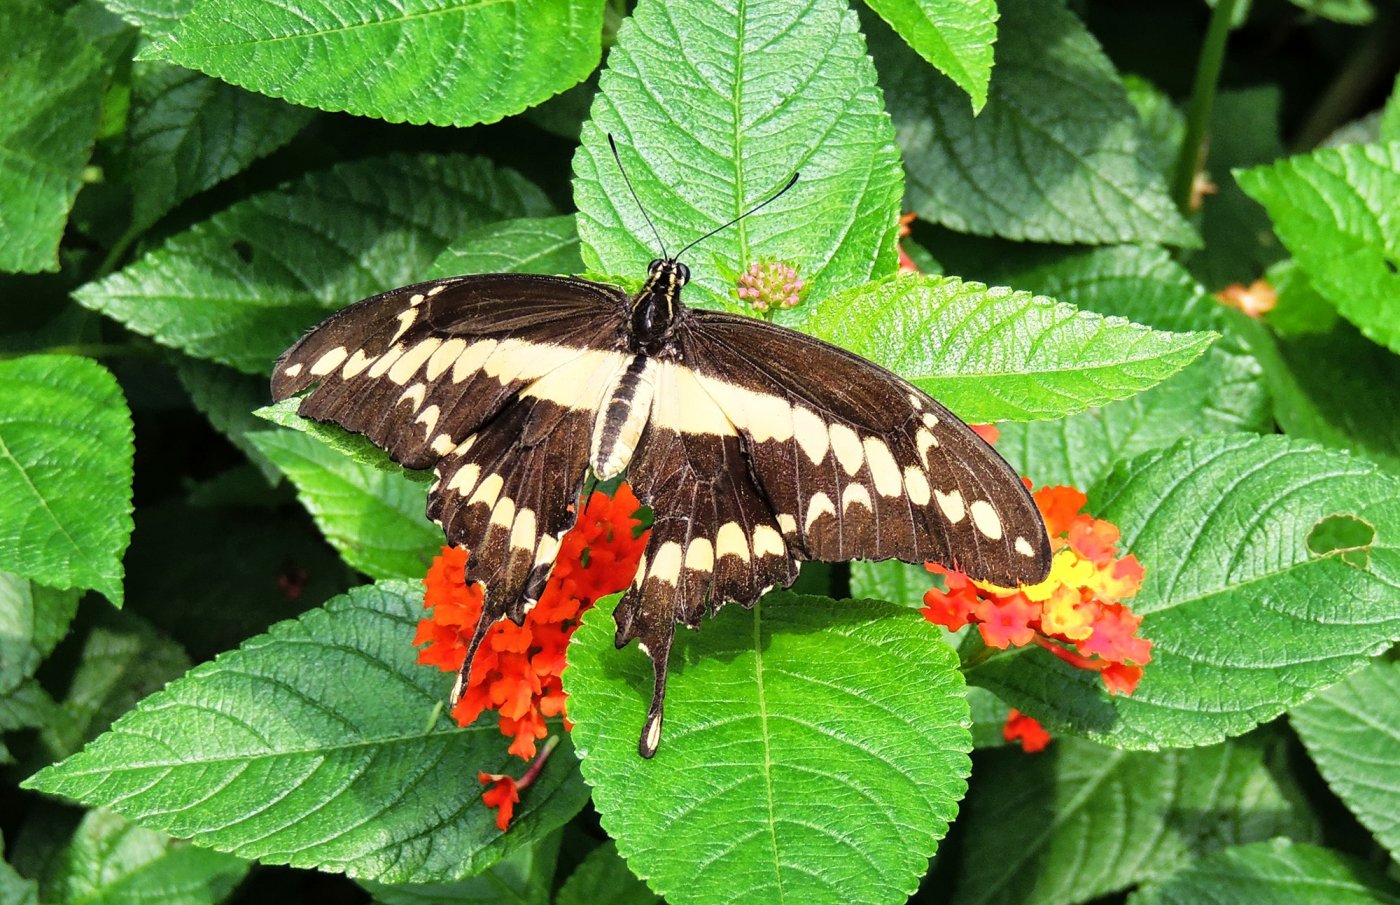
(1246, 618)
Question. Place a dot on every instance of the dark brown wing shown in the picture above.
(858, 463)
(766, 447)
(494, 381)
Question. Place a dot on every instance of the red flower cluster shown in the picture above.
(517, 668)
(1075, 613)
(1025, 729)
(769, 284)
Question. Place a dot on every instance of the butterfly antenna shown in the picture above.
(753, 210)
(613, 144)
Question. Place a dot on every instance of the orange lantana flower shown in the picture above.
(1075, 613)
(517, 667)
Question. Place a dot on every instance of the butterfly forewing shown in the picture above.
(491, 380)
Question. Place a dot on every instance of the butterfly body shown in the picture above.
(756, 447)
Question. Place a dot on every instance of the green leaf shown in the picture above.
(1333, 210)
(996, 354)
(1352, 731)
(240, 287)
(1055, 156)
(799, 700)
(529, 245)
(522, 877)
(155, 17)
(356, 447)
(1163, 124)
(1299, 308)
(187, 132)
(65, 473)
(375, 518)
(1274, 873)
(1080, 821)
(604, 877)
(898, 582)
(1247, 617)
(1350, 12)
(713, 110)
(115, 862)
(122, 661)
(954, 37)
(53, 97)
(1390, 115)
(1221, 391)
(33, 619)
(447, 62)
(228, 399)
(311, 746)
(1329, 386)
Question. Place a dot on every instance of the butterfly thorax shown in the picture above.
(656, 308)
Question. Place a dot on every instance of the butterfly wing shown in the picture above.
(493, 381)
(767, 447)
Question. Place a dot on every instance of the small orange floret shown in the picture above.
(502, 795)
(1027, 730)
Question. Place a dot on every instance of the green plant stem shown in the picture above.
(1202, 100)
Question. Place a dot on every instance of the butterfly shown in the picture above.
(756, 447)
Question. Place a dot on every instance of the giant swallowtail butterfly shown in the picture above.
(757, 447)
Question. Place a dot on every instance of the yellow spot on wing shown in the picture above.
(985, 517)
(730, 541)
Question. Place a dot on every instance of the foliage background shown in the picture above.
(184, 187)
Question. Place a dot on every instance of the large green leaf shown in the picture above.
(187, 132)
(53, 85)
(1253, 598)
(1274, 873)
(448, 62)
(1055, 156)
(1352, 731)
(799, 701)
(1080, 821)
(33, 619)
(527, 245)
(242, 286)
(714, 106)
(320, 744)
(375, 518)
(953, 35)
(996, 354)
(1334, 210)
(1222, 391)
(65, 473)
(14, 888)
(114, 862)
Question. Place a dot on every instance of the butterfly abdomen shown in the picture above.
(622, 417)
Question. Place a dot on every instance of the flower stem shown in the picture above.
(538, 765)
(1189, 159)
